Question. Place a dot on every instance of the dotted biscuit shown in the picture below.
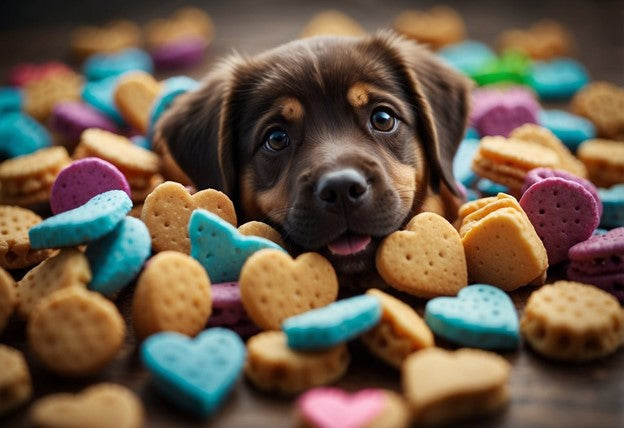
(571, 321)
(437, 27)
(69, 268)
(134, 95)
(603, 104)
(15, 251)
(15, 382)
(545, 39)
(263, 230)
(75, 332)
(113, 37)
(8, 298)
(274, 287)
(272, 366)
(400, 332)
(172, 294)
(42, 95)
(332, 22)
(604, 160)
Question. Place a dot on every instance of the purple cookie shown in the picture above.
(562, 212)
(498, 111)
(179, 53)
(82, 180)
(228, 310)
(71, 118)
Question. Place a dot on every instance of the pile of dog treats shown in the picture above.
(545, 188)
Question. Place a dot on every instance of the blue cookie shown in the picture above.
(174, 86)
(220, 247)
(335, 323)
(195, 374)
(462, 162)
(101, 66)
(100, 95)
(468, 56)
(572, 130)
(84, 224)
(142, 141)
(558, 79)
(612, 206)
(11, 99)
(490, 188)
(481, 316)
(471, 134)
(117, 258)
(21, 135)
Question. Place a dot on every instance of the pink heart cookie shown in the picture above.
(335, 408)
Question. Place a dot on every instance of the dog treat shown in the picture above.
(23, 73)
(167, 212)
(101, 66)
(21, 135)
(113, 37)
(497, 111)
(571, 129)
(75, 332)
(613, 206)
(91, 221)
(325, 407)
(68, 268)
(481, 316)
(173, 294)
(15, 382)
(181, 40)
(333, 324)
(571, 321)
(262, 230)
(468, 56)
(604, 160)
(98, 406)
(8, 298)
(195, 374)
(117, 258)
(462, 161)
(558, 79)
(603, 104)
(179, 53)
(400, 331)
(445, 387)
(100, 95)
(27, 180)
(436, 27)
(15, 249)
(71, 118)
(134, 96)
(332, 22)
(545, 39)
(510, 67)
(41, 96)
(304, 283)
(11, 99)
(272, 366)
(539, 174)
(228, 310)
(425, 260)
(172, 88)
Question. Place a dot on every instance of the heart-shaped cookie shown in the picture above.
(134, 96)
(195, 374)
(481, 316)
(274, 287)
(426, 259)
(333, 407)
(101, 66)
(102, 405)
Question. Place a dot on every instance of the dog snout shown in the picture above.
(345, 188)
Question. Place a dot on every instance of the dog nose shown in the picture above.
(346, 187)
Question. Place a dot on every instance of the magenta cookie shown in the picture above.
(24, 73)
(332, 407)
(82, 180)
(498, 111)
(71, 118)
(563, 214)
(228, 310)
(179, 53)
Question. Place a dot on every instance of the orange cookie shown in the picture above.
(15, 251)
(8, 298)
(15, 383)
(332, 22)
(112, 37)
(603, 104)
(41, 95)
(437, 27)
(425, 260)
(168, 208)
(134, 95)
(274, 287)
(604, 160)
(263, 230)
(545, 39)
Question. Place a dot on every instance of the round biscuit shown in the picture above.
(34, 164)
(263, 230)
(15, 251)
(8, 298)
(15, 381)
(41, 95)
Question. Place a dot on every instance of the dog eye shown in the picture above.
(276, 140)
(383, 120)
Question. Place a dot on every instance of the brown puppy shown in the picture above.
(335, 141)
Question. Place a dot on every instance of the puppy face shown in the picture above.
(331, 140)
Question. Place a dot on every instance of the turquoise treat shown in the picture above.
(84, 224)
(174, 86)
(612, 206)
(11, 99)
(468, 56)
(572, 130)
(100, 95)
(335, 323)
(142, 141)
(472, 195)
(101, 66)
(558, 79)
(195, 374)
(481, 316)
(462, 162)
(21, 135)
(471, 134)
(117, 258)
(490, 188)
(220, 248)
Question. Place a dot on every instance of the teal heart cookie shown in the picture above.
(195, 374)
(220, 247)
(481, 316)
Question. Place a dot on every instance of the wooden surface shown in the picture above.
(543, 393)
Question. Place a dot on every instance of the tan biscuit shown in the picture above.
(41, 95)
(134, 96)
(8, 298)
(15, 251)
(168, 208)
(15, 382)
(571, 321)
(139, 194)
(437, 27)
(272, 366)
(443, 387)
(426, 260)
(502, 200)
(470, 207)
(75, 332)
(395, 414)
(172, 294)
(263, 230)
(545, 39)
(100, 406)
(604, 160)
(69, 268)
(400, 332)
(274, 287)
(113, 37)
(186, 23)
(603, 104)
(332, 22)
(196, 19)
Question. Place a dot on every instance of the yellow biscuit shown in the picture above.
(545, 39)
(139, 194)
(272, 366)
(41, 95)
(134, 95)
(437, 27)
(332, 22)
(75, 332)
(15, 251)
(426, 260)
(15, 382)
(604, 160)
(113, 37)
(8, 298)
(263, 230)
(571, 321)
(472, 206)
(603, 104)
(502, 200)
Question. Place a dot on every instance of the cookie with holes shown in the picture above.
(15, 249)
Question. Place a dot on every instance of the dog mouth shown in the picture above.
(351, 253)
(349, 244)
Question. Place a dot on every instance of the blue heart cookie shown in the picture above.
(333, 324)
(195, 374)
(612, 206)
(91, 221)
(11, 99)
(220, 247)
(462, 162)
(468, 56)
(117, 258)
(481, 316)
(21, 135)
(100, 95)
(558, 79)
(174, 86)
(101, 66)
(572, 130)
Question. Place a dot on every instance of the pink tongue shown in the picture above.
(349, 244)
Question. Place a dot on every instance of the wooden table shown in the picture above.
(543, 393)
